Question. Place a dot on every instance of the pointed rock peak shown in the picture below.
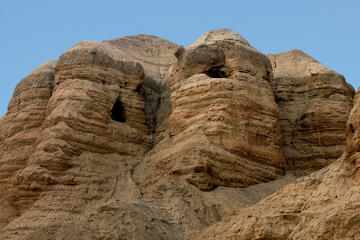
(214, 36)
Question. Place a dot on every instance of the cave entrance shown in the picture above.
(215, 72)
(118, 112)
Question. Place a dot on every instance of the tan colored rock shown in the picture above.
(80, 171)
(80, 151)
(314, 104)
(323, 205)
(156, 55)
(224, 127)
(123, 142)
(209, 129)
(19, 131)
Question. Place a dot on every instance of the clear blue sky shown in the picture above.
(34, 31)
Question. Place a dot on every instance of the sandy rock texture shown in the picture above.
(94, 124)
(323, 205)
(19, 131)
(314, 104)
(224, 127)
(156, 56)
(139, 138)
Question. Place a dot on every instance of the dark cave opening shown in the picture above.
(352, 129)
(140, 89)
(118, 112)
(215, 72)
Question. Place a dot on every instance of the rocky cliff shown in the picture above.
(139, 138)
(323, 205)
(314, 104)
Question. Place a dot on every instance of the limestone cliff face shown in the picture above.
(314, 104)
(323, 205)
(19, 131)
(138, 138)
(156, 56)
(224, 128)
(94, 123)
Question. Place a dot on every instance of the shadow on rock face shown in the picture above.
(118, 112)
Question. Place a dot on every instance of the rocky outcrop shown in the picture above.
(91, 152)
(314, 104)
(19, 132)
(94, 124)
(323, 205)
(224, 127)
(138, 138)
(156, 56)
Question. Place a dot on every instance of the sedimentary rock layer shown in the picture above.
(323, 205)
(138, 138)
(314, 104)
(19, 132)
(94, 122)
(224, 128)
(156, 55)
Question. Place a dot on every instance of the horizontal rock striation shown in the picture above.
(224, 127)
(314, 104)
(323, 205)
(19, 133)
(93, 124)
(138, 138)
(156, 55)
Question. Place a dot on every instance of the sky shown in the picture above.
(33, 32)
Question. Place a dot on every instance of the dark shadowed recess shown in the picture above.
(118, 112)
(215, 72)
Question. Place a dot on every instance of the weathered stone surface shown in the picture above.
(323, 205)
(78, 146)
(156, 55)
(84, 166)
(123, 137)
(224, 127)
(314, 104)
(19, 131)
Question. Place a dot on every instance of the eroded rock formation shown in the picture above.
(19, 131)
(139, 138)
(314, 104)
(224, 127)
(323, 205)
(156, 56)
